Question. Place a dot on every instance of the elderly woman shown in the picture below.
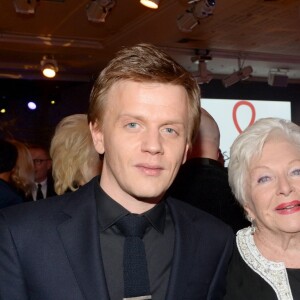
(264, 174)
(74, 158)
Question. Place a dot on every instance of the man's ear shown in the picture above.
(187, 147)
(97, 137)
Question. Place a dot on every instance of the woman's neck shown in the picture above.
(279, 247)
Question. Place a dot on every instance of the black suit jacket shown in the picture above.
(50, 250)
(203, 183)
(8, 195)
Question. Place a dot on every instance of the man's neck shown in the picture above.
(43, 181)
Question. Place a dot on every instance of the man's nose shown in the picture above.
(152, 142)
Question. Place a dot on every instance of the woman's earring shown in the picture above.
(253, 225)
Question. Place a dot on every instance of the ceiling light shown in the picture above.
(278, 77)
(150, 3)
(97, 10)
(203, 8)
(186, 21)
(49, 67)
(201, 55)
(197, 10)
(241, 74)
(25, 6)
(203, 75)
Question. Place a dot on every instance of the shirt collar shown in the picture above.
(110, 211)
(42, 183)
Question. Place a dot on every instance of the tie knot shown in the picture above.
(133, 225)
(39, 186)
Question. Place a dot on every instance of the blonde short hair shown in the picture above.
(144, 63)
(73, 154)
(23, 174)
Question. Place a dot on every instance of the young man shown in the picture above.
(143, 114)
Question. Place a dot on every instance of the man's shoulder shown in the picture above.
(45, 210)
(195, 215)
(200, 168)
(8, 195)
(200, 225)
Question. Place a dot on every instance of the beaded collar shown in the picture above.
(272, 272)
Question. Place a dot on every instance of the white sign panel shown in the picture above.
(234, 116)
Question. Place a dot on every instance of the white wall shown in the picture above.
(233, 116)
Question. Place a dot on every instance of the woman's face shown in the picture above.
(275, 187)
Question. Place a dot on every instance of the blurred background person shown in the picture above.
(74, 158)
(8, 158)
(264, 174)
(203, 180)
(44, 186)
(22, 175)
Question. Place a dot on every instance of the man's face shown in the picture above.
(144, 138)
(42, 164)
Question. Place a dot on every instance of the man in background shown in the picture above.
(203, 181)
(8, 158)
(44, 185)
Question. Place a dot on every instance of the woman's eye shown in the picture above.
(296, 172)
(263, 179)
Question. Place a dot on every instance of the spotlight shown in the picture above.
(203, 75)
(98, 10)
(187, 21)
(197, 10)
(31, 105)
(49, 67)
(278, 77)
(241, 74)
(203, 9)
(150, 3)
(25, 6)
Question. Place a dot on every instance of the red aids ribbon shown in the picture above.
(234, 114)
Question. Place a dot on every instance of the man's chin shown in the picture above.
(151, 199)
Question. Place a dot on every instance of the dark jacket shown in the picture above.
(203, 183)
(8, 195)
(51, 250)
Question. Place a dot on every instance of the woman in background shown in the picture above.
(74, 158)
(23, 174)
(264, 174)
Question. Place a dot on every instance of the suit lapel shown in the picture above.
(80, 237)
(184, 252)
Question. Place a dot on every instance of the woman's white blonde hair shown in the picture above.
(23, 174)
(249, 145)
(74, 158)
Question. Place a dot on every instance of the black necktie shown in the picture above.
(136, 278)
(39, 194)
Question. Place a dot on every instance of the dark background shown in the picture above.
(72, 97)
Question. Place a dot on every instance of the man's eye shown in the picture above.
(170, 130)
(132, 125)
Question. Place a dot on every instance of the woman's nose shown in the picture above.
(285, 186)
